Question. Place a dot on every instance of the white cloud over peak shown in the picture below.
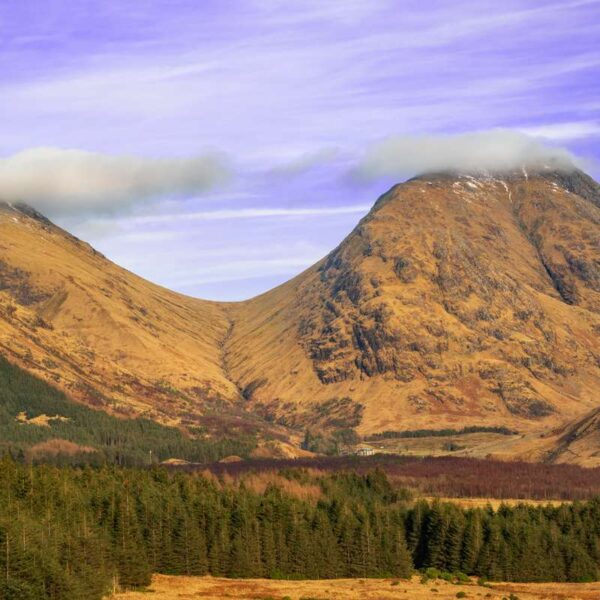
(495, 150)
(65, 181)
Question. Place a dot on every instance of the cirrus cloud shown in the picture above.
(496, 150)
(68, 181)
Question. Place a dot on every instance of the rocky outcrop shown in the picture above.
(458, 297)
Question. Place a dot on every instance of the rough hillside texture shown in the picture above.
(459, 300)
(577, 442)
(102, 334)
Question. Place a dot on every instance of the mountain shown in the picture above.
(103, 335)
(39, 422)
(459, 300)
(577, 442)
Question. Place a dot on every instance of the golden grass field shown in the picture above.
(211, 588)
(495, 503)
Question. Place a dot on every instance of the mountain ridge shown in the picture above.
(459, 299)
(350, 286)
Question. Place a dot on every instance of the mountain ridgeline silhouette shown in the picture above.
(459, 300)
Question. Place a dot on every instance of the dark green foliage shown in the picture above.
(419, 433)
(127, 442)
(74, 533)
(329, 443)
(521, 543)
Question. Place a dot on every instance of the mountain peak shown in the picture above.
(459, 298)
(490, 185)
(27, 210)
(524, 172)
(462, 298)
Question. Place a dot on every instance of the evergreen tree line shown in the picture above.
(76, 533)
(126, 442)
(419, 433)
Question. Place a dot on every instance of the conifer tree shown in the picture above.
(472, 542)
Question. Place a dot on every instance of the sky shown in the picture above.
(221, 147)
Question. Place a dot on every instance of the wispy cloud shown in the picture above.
(75, 181)
(252, 213)
(277, 88)
(575, 130)
(243, 269)
(306, 162)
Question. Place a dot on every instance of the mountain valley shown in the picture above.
(459, 300)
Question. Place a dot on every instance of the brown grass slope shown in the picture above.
(102, 334)
(457, 300)
(577, 442)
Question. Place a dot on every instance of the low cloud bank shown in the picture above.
(74, 181)
(70, 182)
(495, 151)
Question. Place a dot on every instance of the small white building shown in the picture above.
(364, 451)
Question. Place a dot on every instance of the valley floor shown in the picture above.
(212, 588)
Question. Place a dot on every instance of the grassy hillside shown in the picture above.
(101, 334)
(456, 301)
(39, 422)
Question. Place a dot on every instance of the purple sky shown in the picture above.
(289, 96)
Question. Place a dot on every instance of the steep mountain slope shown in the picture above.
(457, 300)
(38, 421)
(577, 442)
(102, 334)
